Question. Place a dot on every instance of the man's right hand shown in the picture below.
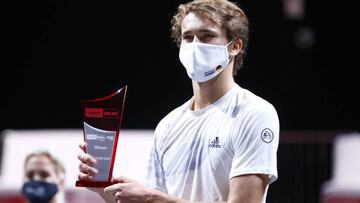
(87, 171)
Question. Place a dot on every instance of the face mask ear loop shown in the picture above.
(229, 43)
(229, 57)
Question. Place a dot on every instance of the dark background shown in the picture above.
(58, 52)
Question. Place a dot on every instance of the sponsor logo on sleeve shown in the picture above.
(267, 135)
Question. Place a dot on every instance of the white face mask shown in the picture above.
(201, 60)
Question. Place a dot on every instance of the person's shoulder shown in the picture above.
(252, 102)
(171, 116)
(256, 113)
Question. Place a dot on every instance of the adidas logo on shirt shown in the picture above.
(215, 143)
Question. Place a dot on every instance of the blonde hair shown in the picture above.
(225, 14)
(58, 165)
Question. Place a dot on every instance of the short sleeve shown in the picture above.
(155, 177)
(255, 142)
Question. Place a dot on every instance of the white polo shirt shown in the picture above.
(196, 153)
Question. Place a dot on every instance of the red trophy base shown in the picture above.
(101, 184)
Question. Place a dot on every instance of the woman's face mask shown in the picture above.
(38, 191)
(203, 61)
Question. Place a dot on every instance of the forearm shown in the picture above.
(234, 197)
(128, 190)
(159, 197)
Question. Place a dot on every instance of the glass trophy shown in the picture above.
(102, 121)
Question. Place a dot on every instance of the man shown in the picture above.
(220, 145)
(44, 178)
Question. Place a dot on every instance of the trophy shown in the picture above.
(102, 121)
